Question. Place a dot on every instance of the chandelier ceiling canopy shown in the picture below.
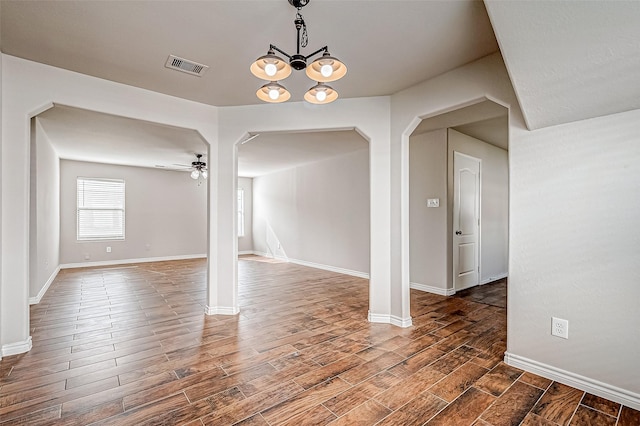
(273, 68)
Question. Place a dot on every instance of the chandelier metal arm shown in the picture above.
(277, 49)
(274, 47)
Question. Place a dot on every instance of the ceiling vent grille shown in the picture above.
(184, 65)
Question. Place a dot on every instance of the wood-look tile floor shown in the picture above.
(130, 345)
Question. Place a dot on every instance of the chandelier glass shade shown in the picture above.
(326, 69)
(273, 92)
(273, 68)
(321, 94)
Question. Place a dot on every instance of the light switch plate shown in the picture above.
(433, 202)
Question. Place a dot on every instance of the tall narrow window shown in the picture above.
(100, 209)
(240, 212)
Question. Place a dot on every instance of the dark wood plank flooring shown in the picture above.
(130, 345)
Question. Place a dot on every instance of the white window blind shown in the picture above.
(240, 212)
(100, 209)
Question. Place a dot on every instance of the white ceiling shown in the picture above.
(271, 152)
(570, 60)
(129, 42)
(567, 60)
(486, 120)
(386, 45)
(82, 135)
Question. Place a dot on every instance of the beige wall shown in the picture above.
(317, 213)
(431, 176)
(428, 225)
(166, 214)
(245, 244)
(575, 203)
(44, 227)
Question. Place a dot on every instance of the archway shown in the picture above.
(478, 128)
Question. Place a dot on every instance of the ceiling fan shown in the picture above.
(198, 168)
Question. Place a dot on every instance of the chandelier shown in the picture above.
(273, 68)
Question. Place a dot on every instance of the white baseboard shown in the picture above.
(314, 265)
(390, 319)
(494, 278)
(221, 310)
(431, 289)
(35, 300)
(330, 268)
(129, 261)
(17, 348)
(604, 390)
(240, 253)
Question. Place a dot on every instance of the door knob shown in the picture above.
(458, 232)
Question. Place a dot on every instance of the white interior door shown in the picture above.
(466, 220)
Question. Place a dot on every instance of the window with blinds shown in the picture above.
(100, 209)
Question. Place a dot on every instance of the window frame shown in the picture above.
(79, 208)
(240, 212)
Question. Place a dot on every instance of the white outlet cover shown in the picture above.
(433, 202)
(560, 327)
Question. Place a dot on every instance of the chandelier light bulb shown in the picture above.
(273, 92)
(326, 70)
(270, 69)
(205, 174)
(195, 174)
(321, 95)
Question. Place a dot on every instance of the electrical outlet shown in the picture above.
(108, 249)
(560, 327)
(433, 202)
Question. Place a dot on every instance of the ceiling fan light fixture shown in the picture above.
(326, 69)
(195, 174)
(204, 174)
(273, 92)
(270, 67)
(321, 94)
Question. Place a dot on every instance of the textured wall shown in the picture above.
(428, 226)
(316, 213)
(166, 214)
(575, 240)
(45, 211)
(246, 243)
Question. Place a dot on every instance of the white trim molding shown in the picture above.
(35, 300)
(130, 261)
(240, 253)
(222, 310)
(604, 390)
(312, 264)
(17, 348)
(495, 278)
(431, 289)
(331, 268)
(390, 319)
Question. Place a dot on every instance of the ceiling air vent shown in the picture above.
(184, 65)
